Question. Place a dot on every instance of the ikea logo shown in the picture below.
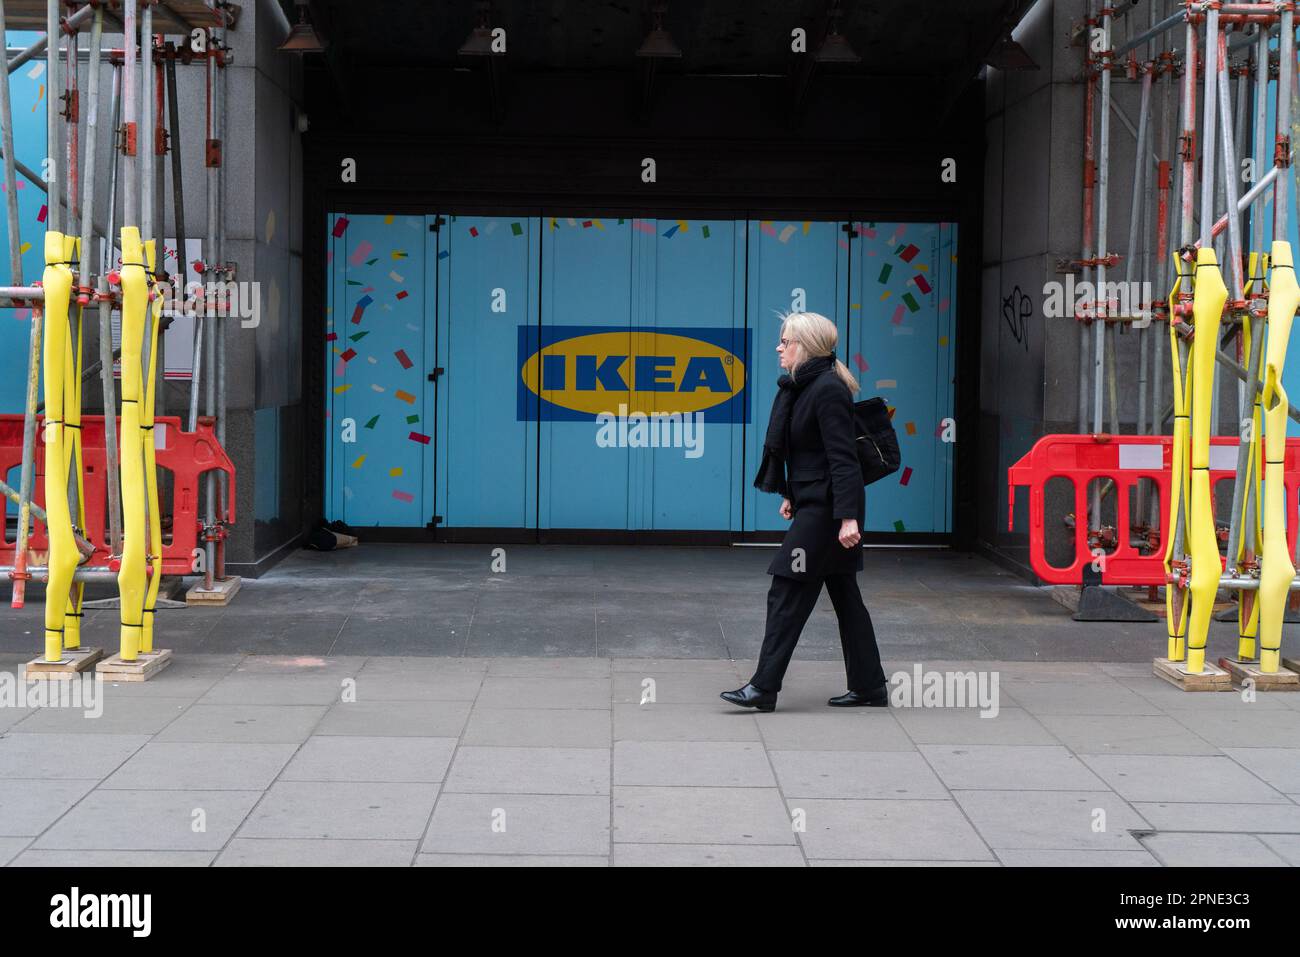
(574, 373)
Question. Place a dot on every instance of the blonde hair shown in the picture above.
(817, 336)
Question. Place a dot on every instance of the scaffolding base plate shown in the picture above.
(1284, 679)
(220, 593)
(142, 669)
(74, 662)
(1213, 678)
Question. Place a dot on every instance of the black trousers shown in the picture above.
(790, 602)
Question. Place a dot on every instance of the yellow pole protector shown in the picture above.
(1179, 485)
(1203, 544)
(76, 461)
(1248, 542)
(131, 575)
(1276, 570)
(151, 463)
(57, 281)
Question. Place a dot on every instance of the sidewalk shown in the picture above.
(230, 759)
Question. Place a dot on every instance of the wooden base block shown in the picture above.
(1213, 678)
(220, 593)
(142, 669)
(1284, 679)
(74, 662)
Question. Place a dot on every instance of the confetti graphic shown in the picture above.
(360, 253)
(403, 358)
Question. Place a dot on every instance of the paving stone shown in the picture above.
(853, 863)
(707, 855)
(655, 667)
(65, 755)
(887, 830)
(393, 760)
(1078, 697)
(857, 774)
(243, 689)
(508, 860)
(681, 722)
(1280, 767)
(545, 728)
(1212, 850)
(301, 852)
(1153, 777)
(564, 824)
(421, 665)
(1053, 820)
(1285, 846)
(120, 716)
(847, 729)
(669, 688)
(338, 810)
(965, 726)
(510, 691)
(522, 666)
(692, 764)
(10, 847)
(1246, 726)
(419, 719)
(28, 807)
(116, 858)
(1026, 858)
(244, 724)
(202, 766)
(417, 686)
(150, 821)
(1225, 818)
(529, 771)
(1125, 734)
(700, 815)
(993, 766)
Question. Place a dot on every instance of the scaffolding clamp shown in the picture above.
(126, 138)
(1282, 152)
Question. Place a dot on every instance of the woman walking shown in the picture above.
(810, 459)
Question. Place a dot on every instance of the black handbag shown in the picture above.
(876, 440)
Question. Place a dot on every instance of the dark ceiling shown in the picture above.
(893, 37)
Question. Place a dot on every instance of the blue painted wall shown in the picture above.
(543, 325)
(27, 93)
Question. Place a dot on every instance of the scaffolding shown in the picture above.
(125, 277)
(1241, 58)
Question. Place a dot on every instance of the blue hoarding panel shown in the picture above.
(487, 288)
(379, 442)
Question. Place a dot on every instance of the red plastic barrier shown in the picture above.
(187, 455)
(1124, 459)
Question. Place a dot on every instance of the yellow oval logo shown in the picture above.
(643, 370)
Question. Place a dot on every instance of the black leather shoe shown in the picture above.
(751, 697)
(879, 698)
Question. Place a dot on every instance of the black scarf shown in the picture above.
(771, 473)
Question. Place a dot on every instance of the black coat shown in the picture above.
(825, 483)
